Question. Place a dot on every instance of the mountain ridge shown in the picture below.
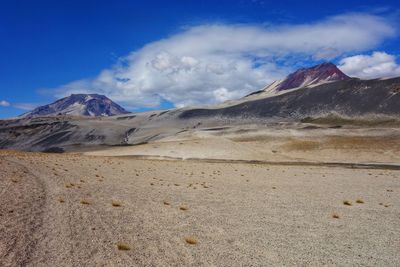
(353, 97)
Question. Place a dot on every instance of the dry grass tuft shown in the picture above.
(122, 246)
(85, 202)
(14, 180)
(166, 203)
(360, 201)
(183, 208)
(61, 200)
(190, 240)
(347, 203)
(335, 215)
(116, 203)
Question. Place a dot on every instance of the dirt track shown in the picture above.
(23, 198)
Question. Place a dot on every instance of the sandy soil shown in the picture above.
(57, 210)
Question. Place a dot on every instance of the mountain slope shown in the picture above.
(352, 97)
(92, 105)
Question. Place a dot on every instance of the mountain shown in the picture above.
(92, 105)
(349, 98)
(316, 75)
(323, 73)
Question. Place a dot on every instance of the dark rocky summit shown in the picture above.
(323, 73)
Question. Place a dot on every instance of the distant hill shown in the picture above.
(92, 105)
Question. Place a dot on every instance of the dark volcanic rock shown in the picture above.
(54, 149)
(352, 97)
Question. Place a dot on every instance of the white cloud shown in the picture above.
(211, 63)
(376, 65)
(4, 103)
(26, 106)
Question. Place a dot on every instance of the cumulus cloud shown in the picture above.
(211, 63)
(376, 65)
(4, 103)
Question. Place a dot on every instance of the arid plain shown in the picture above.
(208, 198)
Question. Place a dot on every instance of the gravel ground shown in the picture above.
(77, 210)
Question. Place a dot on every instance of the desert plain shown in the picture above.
(308, 196)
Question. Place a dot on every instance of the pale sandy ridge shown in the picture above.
(293, 143)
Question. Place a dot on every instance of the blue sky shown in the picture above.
(156, 54)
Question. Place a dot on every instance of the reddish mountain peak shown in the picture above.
(325, 72)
